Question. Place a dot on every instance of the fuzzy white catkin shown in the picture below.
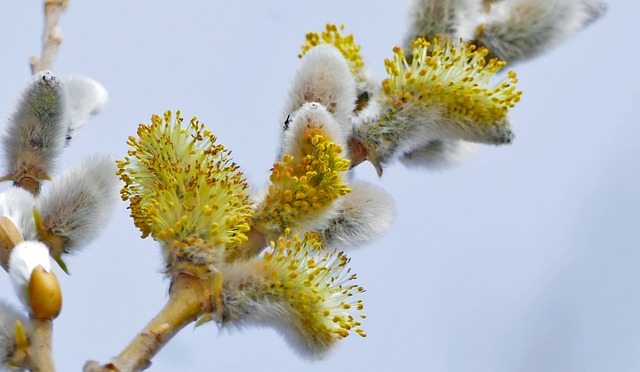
(260, 311)
(8, 318)
(438, 155)
(17, 204)
(25, 257)
(87, 98)
(324, 77)
(516, 30)
(364, 215)
(436, 122)
(35, 133)
(592, 10)
(79, 202)
(246, 305)
(449, 18)
(424, 125)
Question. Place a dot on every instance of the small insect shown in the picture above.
(287, 121)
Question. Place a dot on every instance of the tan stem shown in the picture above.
(52, 37)
(40, 358)
(189, 298)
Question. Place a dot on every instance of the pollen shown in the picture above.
(322, 292)
(182, 186)
(305, 185)
(441, 73)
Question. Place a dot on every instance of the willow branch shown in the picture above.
(52, 36)
(40, 357)
(189, 298)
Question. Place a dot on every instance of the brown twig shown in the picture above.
(52, 36)
(189, 298)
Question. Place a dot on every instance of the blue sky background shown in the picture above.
(524, 258)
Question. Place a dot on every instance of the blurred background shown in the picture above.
(524, 258)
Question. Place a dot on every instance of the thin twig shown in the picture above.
(189, 298)
(52, 36)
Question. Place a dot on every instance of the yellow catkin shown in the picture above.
(182, 187)
(312, 286)
(456, 76)
(323, 294)
(305, 186)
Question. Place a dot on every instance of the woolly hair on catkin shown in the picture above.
(17, 204)
(516, 30)
(364, 215)
(24, 258)
(35, 133)
(311, 115)
(301, 289)
(324, 77)
(442, 17)
(87, 98)
(444, 93)
(79, 202)
(439, 154)
(8, 318)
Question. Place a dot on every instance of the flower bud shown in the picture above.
(9, 238)
(45, 296)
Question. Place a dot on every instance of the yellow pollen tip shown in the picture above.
(345, 44)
